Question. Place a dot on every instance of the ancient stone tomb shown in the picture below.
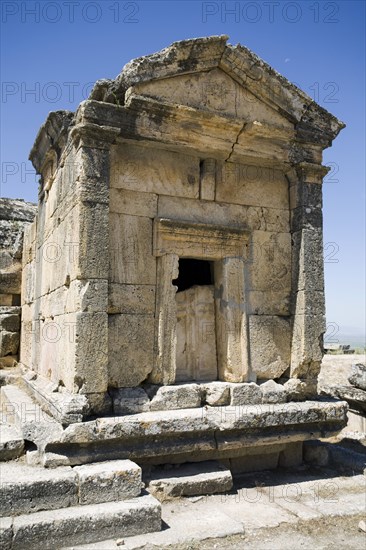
(176, 257)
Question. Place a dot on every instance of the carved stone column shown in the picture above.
(231, 320)
(308, 307)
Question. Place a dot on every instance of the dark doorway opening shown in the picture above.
(193, 272)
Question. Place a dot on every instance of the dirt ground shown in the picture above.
(341, 533)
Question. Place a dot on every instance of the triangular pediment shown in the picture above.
(189, 64)
(213, 91)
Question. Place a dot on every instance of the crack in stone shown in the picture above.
(236, 141)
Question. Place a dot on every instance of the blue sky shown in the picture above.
(53, 51)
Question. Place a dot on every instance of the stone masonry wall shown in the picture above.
(15, 216)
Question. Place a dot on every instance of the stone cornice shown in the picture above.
(202, 54)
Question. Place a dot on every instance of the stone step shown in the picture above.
(27, 489)
(11, 443)
(190, 435)
(81, 524)
(19, 409)
(194, 479)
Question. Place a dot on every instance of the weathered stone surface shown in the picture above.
(272, 392)
(9, 343)
(354, 396)
(196, 335)
(27, 416)
(300, 390)
(130, 250)
(11, 442)
(252, 185)
(231, 320)
(63, 406)
(28, 489)
(245, 394)
(108, 481)
(204, 478)
(217, 393)
(186, 396)
(10, 322)
(221, 213)
(131, 299)
(130, 401)
(358, 376)
(126, 201)
(6, 533)
(270, 340)
(163, 172)
(131, 341)
(83, 524)
(165, 340)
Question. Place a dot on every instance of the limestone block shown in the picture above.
(216, 393)
(26, 490)
(10, 281)
(8, 362)
(137, 299)
(273, 392)
(130, 401)
(310, 302)
(207, 179)
(154, 170)
(308, 270)
(241, 216)
(88, 295)
(91, 354)
(307, 345)
(165, 321)
(83, 524)
(10, 322)
(197, 240)
(187, 396)
(252, 185)
(131, 342)
(245, 394)
(196, 334)
(124, 201)
(306, 217)
(268, 302)
(269, 262)
(211, 91)
(27, 416)
(9, 343)
(93, 241)
(28, 283)
(99, 404)
(270, 345)
(300, 390)
(358, 376)
(306, 194)
(130, 250)
(231, 320)
(6, 299)
(11, 444)
(204, 478)
(108, 481)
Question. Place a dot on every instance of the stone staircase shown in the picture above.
(65, 506)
